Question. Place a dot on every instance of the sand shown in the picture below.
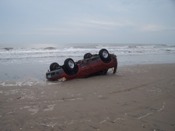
(137, 98)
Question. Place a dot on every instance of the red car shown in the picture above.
(95, 64)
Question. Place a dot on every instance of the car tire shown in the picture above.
(104, 55)
(54, 66)
(87, 55)
(70, 67)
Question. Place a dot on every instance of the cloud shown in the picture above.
(152, 27)
(104, 24)
(80, 26)
(156, 28)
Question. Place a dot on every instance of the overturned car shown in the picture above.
(92, 64)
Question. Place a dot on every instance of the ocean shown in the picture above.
(27, 66)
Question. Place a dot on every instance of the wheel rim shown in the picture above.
(105, 54)
(71, 64)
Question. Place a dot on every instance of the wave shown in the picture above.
(8, 54)
(29, 83)
(50, 48)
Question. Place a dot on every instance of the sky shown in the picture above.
(59, 22)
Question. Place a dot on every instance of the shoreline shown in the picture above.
(33, 81)
(138, 97)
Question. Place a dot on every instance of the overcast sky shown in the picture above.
(54, 22)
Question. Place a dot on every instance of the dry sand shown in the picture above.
(137, 98)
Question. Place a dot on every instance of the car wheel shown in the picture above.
(70, 66)
(54, 66)
(87, 55)
(104, 55)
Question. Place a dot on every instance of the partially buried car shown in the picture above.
(92, 64)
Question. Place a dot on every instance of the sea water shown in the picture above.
(27, 66)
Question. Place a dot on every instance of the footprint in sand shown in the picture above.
(49, 108)
(33, 110)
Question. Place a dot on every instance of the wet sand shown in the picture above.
(137, 98)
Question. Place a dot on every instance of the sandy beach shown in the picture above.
(137, 98)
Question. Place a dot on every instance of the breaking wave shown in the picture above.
(52, 52)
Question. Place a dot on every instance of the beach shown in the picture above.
(137, 97)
